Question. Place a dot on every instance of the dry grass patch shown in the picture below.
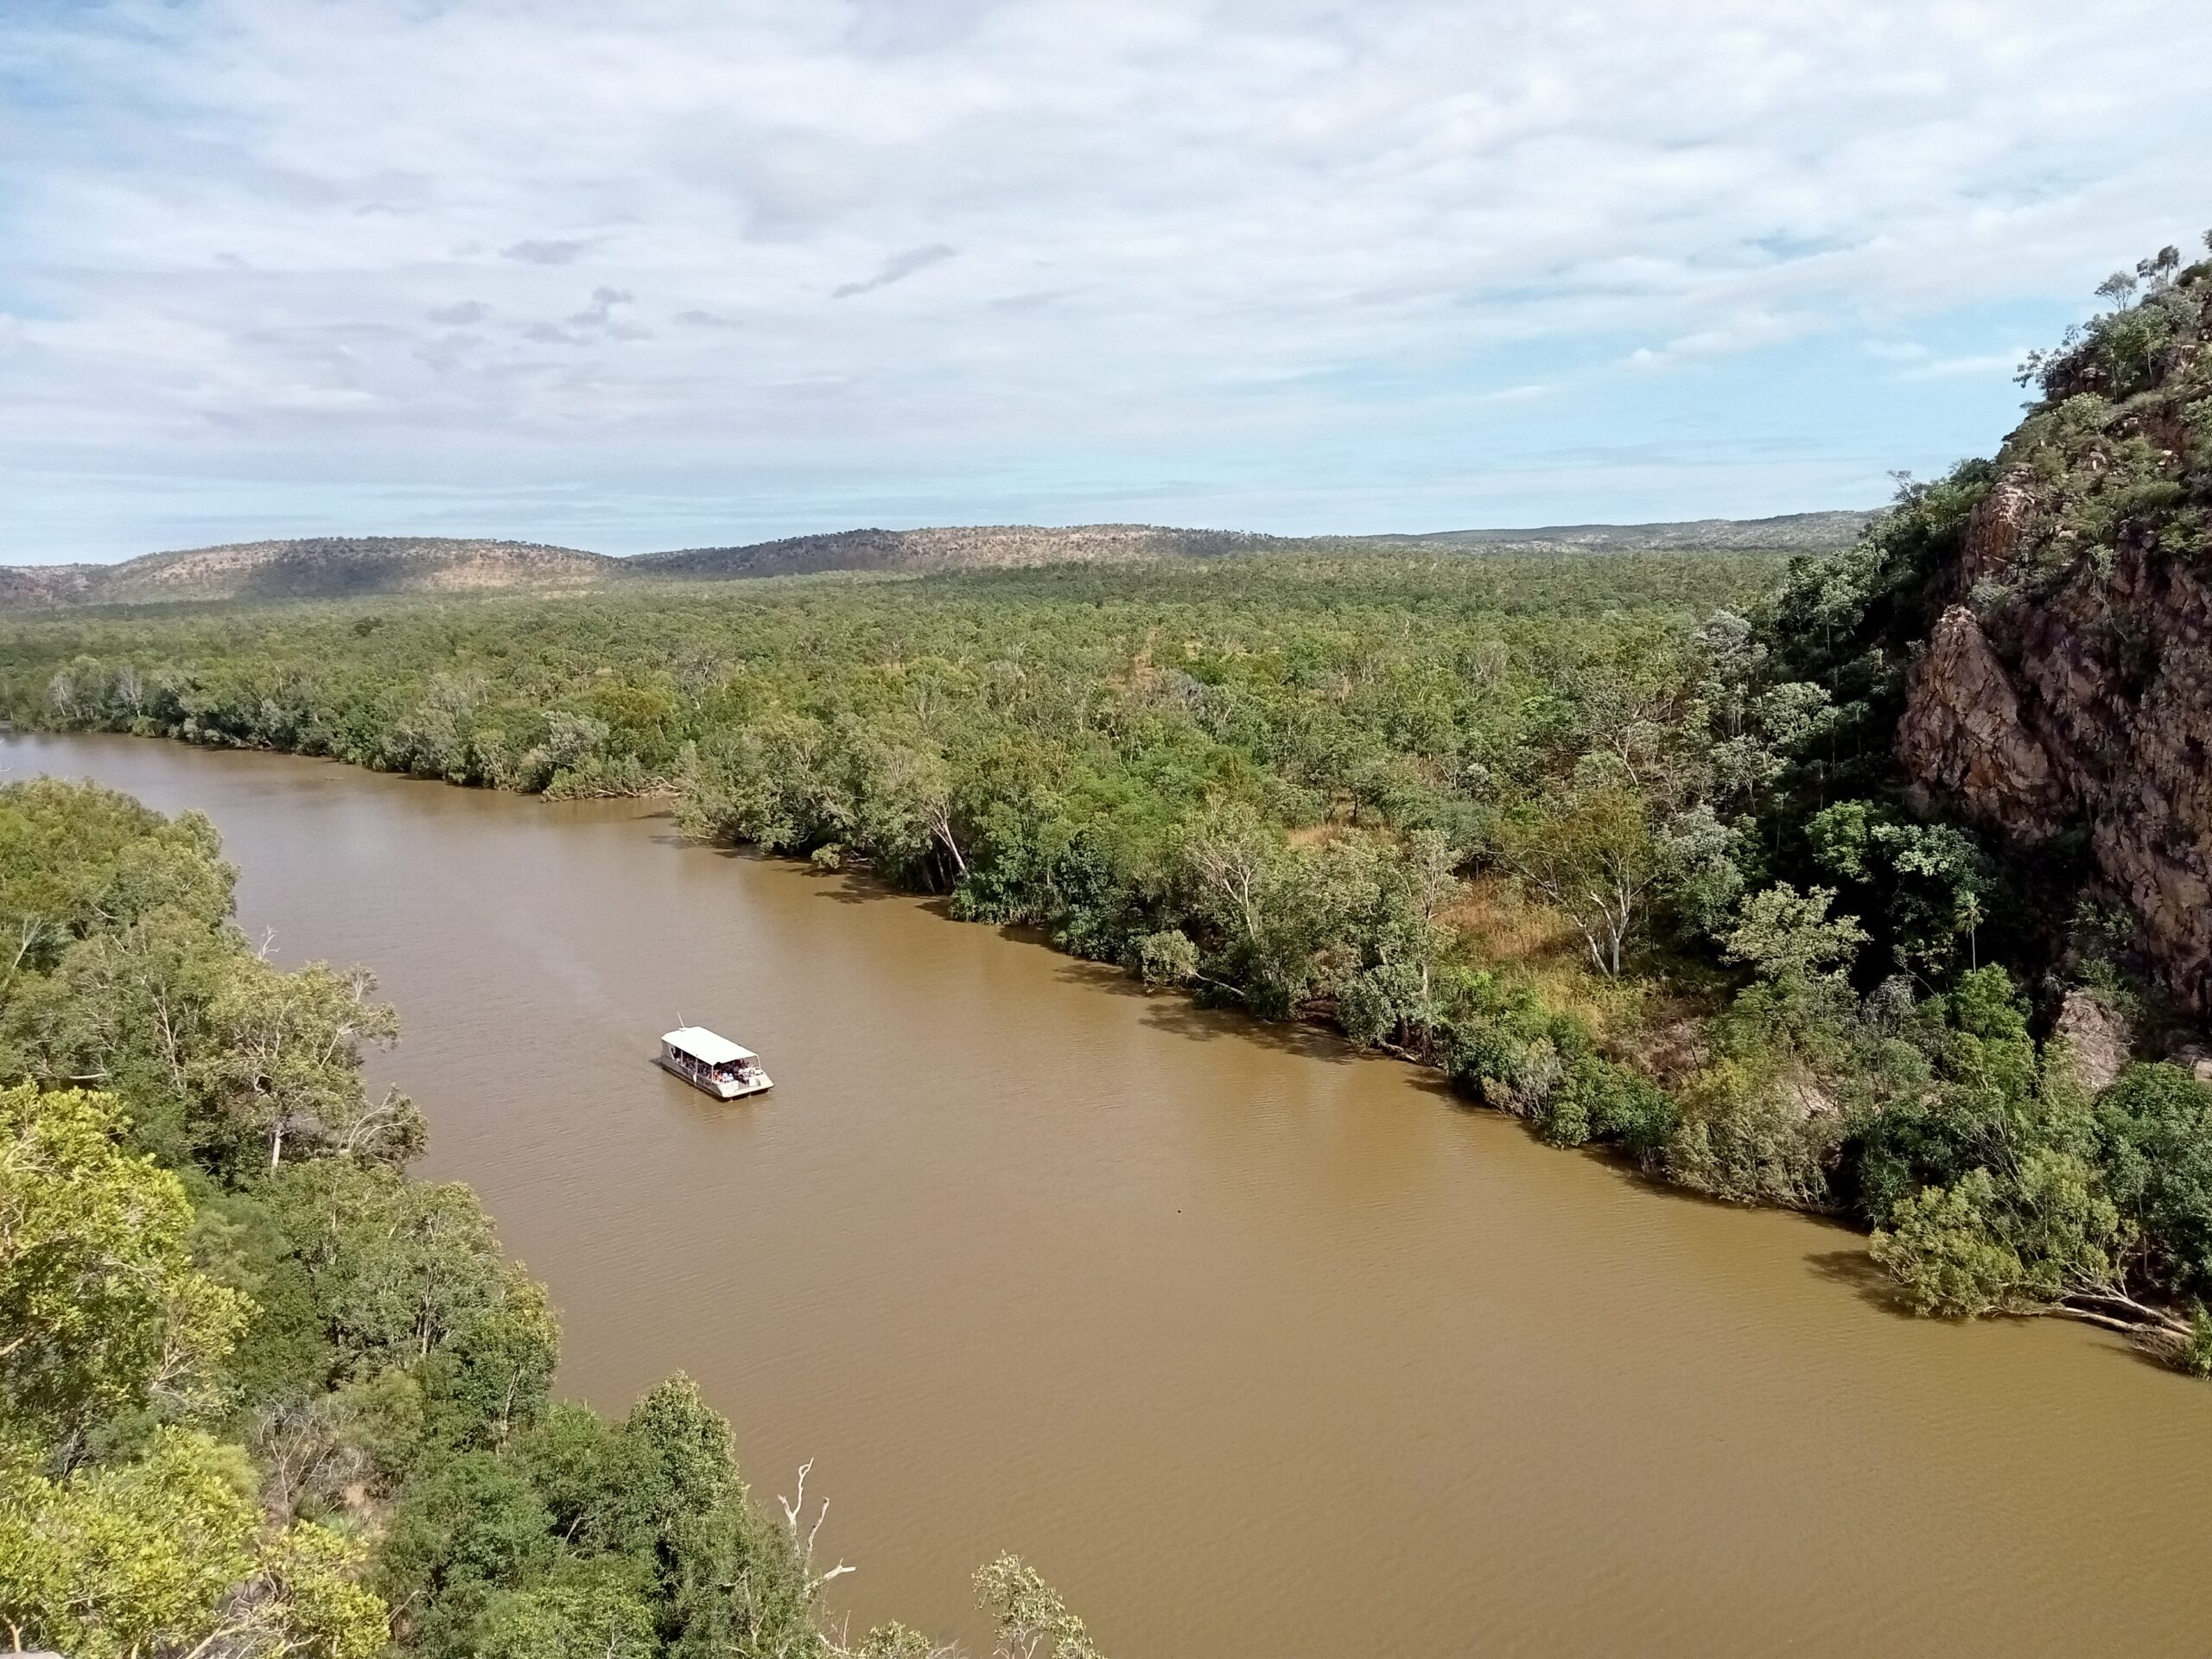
(1634, 1021)
(1502, 927)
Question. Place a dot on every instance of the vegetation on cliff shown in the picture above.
(261, 1394)
(2017, 655)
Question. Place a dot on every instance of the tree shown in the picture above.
(2154, 1134)
(1239, 873)
(304, 1597)
(76, 858)
(2047, 1240)
(1932, 883)
(1418, 887)
(1593, 854)
(493, 1373)
(1802, 957)
(101, 1310)
(404, 1269)
(1232, 857)
(166, 1555)
(1742, 1136)
(466, 1529)
(1784, 934)
(434, 738)
(1628, 703)
(588, 1616)
(1984, 1246)
(283, 1062)
(903, 802)
(1166, 958)
(2118, 288)
(765, 783)
(727, 1580)
(2157, 272)
(132, 1559)
(1944, 1246)
(1033, 1623)
(896, 1641)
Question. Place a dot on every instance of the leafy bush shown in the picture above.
(2154, 1143)
(1598, 1100)
(1750, 1140)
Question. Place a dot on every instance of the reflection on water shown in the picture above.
(1253, 1345)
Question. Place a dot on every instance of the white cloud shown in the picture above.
(1726, 338)
(251, 239)
(537, 252)
(1986, 363)
(1912, 360)
(897, 268)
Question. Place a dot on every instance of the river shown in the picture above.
(1254, 1346)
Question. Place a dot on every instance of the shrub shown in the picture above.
(1744, 1137)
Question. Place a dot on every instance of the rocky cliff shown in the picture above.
(2065, 689)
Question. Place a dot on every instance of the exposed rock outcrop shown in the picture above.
(2098, 1039)
(1962, 735)
(2067, 686)
(2102, 721)
(1993, 534)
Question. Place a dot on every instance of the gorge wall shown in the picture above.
(2065, 689)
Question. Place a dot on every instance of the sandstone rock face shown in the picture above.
(1962, 735)
(2075, 692)
(1993, 533)
(2099, 1036)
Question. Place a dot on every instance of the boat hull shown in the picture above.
(710, 1086)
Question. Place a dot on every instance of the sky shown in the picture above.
(650, 274)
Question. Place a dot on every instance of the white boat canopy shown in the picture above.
(706, 1047)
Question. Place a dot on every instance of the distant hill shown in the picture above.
(994, 546)
(1806, 531)
(979, 547)
(331, 567)
(340, 567)
(25, 585)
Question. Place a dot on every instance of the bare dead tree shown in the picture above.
(794, 1517)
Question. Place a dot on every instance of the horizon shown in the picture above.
(678, 278)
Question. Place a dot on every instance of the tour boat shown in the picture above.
(712, 1063)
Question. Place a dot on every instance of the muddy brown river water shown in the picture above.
(1255, 1347)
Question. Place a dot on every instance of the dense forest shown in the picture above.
(262, 1394)
(1621, 842)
